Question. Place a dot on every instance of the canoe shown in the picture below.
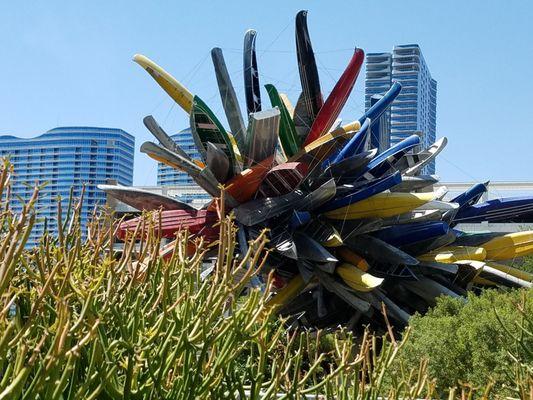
(348, 228)
(345, 293)
(262, 136)
(357, 279)
(349, 256)
(324, 233)
(517, 273)
(243, 186)
(288, 138)
(475, 239)
(205, 180)
(287, 293)
(412, 164)
(382, 104)
(302, 119)
(414, 216)
(319, 196)
(426, 245)
(407, 234)
(311, 93)
(336, 99)
(509, 246)
(283, 179)
(354, 146)
(257, 211)
(472, 195)
(168, 223)
(287, 103)
(174, 89)
(217, 161)
(414, 183)
(323, 147)
(509, 209)
(309, 249)
(299, 219)
(385, 161)
(144, 199)
(360, 194)
(429, 290)
(206, 127)
(348, 169)
(376, 250)
(381, 205)
(165, 140)
(229, 99)
(455, 253)
(502, 278)
(251, 74)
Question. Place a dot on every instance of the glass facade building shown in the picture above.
(184, 186)
(65, 158)
(415, 108)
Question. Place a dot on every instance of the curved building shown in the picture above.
(65, 158)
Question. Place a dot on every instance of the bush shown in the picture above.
(472, 341)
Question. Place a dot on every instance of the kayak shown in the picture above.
(165, 140)
(509, 246)
(455, 253)
(324, 233)
(311, 93)
(509, 209)
(362, 193)
(144, 199)
(357, 279)
(262, 136)
(472, 195)
(206, 127)
(309, 249)
(381, 205)
(517, 273)
(337, 98)
(229, 99)
(174, 89)
(283, 178)
(376, 250)
(288, 138)
(251, 74)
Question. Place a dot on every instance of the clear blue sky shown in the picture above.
(69, 63)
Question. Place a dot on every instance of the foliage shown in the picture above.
(473, 341)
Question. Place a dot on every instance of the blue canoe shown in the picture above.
(363, 192)
(382, 104)
(354, 146)
(383, 162)
(472, 195)
(509, 209)
(407, 234)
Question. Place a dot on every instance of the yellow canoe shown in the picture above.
(357, 279)
(455, 253)
(509, 246)
(382, 205)
(345, 254)
(325, 145)
(288, 292)
(517, 273)
(176, 90)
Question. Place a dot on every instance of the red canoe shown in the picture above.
(283, 178)
(337, 98)
(197, 222)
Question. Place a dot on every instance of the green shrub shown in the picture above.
(466, 342)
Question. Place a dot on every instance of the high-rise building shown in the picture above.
(65, 158)
(183, 185)
(415, 108)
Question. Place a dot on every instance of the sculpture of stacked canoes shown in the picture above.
(350, 228)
